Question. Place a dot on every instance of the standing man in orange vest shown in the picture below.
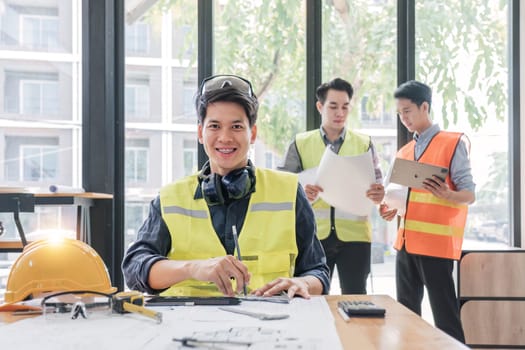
(430, 233)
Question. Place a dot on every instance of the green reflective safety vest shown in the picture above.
(349, 227)
(267, 240)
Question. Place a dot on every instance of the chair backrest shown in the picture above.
(492, 293)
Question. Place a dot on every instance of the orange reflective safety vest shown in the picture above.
(432, 226)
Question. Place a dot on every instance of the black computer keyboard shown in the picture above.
(360, 308)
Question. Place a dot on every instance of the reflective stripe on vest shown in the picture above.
(440, 233)
(267, 238)
(349, 228)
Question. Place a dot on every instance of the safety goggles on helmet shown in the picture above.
(216, 82)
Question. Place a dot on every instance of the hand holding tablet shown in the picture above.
(412, 174)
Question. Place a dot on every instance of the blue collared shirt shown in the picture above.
(460, 170)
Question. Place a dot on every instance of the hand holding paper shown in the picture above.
(395, 198)
(312, 192)
(375, 193)
(345, 181)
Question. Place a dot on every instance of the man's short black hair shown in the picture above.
(415, 91)
(335, 84)
(227, 94)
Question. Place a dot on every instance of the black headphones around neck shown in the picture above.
(217, 189)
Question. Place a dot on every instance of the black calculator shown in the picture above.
(361, 308)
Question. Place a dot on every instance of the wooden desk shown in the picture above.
(400, 329)
(83, 201)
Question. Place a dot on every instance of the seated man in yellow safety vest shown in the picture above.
(188, 244)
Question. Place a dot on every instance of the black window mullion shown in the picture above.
(103, 126)
(204, 54)
(406, 51)
(314, 51)
(514, 123)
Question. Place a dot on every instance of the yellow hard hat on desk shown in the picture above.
(56, 265)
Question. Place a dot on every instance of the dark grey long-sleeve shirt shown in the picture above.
(154, 241)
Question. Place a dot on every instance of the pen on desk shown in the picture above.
(343, 314)
(238, 249)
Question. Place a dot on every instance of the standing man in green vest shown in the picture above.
(346, 238)
(190, 244)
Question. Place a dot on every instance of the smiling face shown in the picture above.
(414, 118)
(334, 111)
(226, 136)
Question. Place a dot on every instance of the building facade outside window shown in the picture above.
(161, 79)
(137, 38)
(40, 110)
(137, 99)
(39, 32)
(137, 161)
(40, 163)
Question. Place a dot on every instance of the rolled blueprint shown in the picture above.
(65, 189)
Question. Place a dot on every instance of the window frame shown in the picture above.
(103, 105)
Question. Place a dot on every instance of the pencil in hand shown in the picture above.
(238, 249)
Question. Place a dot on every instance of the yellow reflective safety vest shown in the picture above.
(267, 239)
(433, 226)
(349, 227)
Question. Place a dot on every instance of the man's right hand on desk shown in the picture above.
(219, 270)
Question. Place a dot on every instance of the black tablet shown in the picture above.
(190, 301)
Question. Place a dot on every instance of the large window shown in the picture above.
(40, 104)
(461, 51)
(265, 42)
(160, 83)
(359, 45)
(464, 60)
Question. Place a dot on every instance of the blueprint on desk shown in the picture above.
(310, 326)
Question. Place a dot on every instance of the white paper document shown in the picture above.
(396, 197)
(310, 325)
(345, 180)
(308, 176)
